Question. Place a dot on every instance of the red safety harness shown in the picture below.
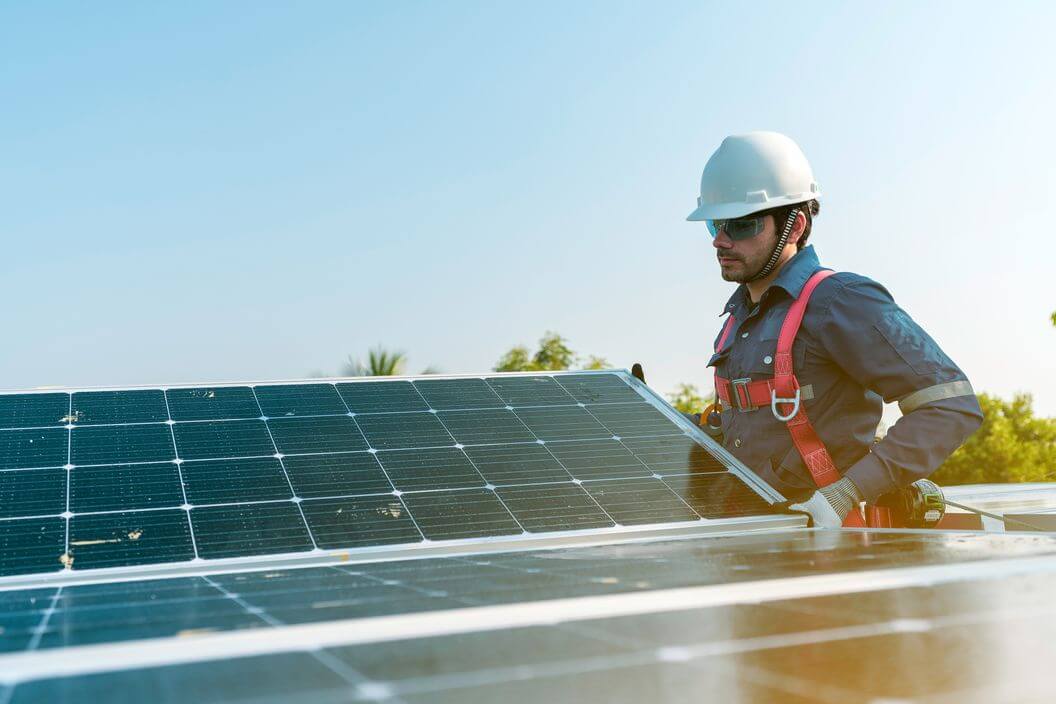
(782, 395)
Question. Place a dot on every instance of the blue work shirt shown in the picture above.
(856, 349)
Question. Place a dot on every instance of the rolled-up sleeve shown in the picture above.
(878, 345)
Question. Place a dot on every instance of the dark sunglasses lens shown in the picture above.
(742, 229)
(713, 227)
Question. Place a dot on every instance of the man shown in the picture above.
(854, 350)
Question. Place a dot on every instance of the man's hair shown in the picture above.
(810, 209)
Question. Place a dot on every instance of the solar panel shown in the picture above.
(118, 478)
(607, 622)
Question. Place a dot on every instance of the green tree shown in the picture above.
(380, 362)
(553, 355)
(1011, 446)
(687, 399)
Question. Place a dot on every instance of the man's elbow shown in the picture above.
(967, 416)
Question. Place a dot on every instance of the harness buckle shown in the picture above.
(774, 400)
(737, 386)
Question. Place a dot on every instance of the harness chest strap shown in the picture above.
(784, 385)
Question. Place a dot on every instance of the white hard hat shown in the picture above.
(752, 172)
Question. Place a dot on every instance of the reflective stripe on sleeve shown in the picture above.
(950, 389)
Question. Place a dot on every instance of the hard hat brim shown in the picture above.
(726, 211)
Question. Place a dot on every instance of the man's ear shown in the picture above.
(797, 227)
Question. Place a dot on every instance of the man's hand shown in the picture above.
(829, 505)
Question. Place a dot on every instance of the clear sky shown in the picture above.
(203, 191)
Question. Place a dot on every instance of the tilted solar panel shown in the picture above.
(116, 478)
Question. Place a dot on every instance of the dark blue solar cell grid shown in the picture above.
(360, 521)
(598, 388)
(673, 455)
(419, 470)
(447, 515)
(249, 529)
(472, 467)
(32, 492)
(299, 400)
(598, 459)
(130, 538)
(121, 444)
(300, 436)
(382, 397)
(124, 487)
(485, 427)
(449, 394)
(639, 501)
(101, 407)
(634, 419)
(404, 430)
(32, 545)
(553, 507)
(235, 481)
(34, 410)
(566, 423)
(222, 439)
(33, 448)
(517, 464)
(212, 403)
(345, 474)
(717, 494)
(530, 391)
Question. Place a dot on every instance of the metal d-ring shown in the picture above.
(774, 400)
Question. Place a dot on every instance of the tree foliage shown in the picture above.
(1011, 446)
(687, 399)
(553, 354)
(380, 362)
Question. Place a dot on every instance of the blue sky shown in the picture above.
(217, 191)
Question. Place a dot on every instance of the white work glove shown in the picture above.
(828, 506)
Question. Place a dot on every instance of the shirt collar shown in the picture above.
(792, 278)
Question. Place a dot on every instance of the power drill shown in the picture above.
(919, 505)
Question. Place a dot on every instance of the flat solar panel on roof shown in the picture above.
(754, 648)
(168, 475)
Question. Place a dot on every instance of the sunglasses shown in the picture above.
(739, 229)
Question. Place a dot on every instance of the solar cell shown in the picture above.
(235, 481)
(168, 475)
(129, 538)
(249, 529)
(393, 396)
(139, 406)
(299, 400)
(32, 492)
(23, 449)
(223, 438)
(472, 513)
(121, 444)
(339, 474)
(436, 468)
(403, 430)
(215, 403)
(448, 394)
(360, 521)
(34, 410)
(122, 487)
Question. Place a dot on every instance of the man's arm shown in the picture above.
(882, 348)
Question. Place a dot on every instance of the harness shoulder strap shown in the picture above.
(725, 332)
(809, 445)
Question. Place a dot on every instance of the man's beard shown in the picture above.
(746, 272)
